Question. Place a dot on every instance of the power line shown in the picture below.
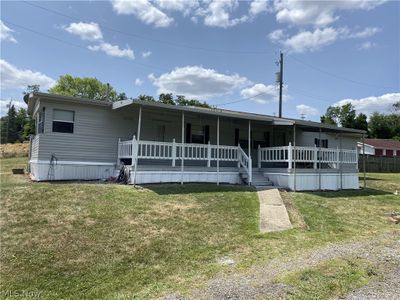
(152, 39)
(75, 45)
(337, 76)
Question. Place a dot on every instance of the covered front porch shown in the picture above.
(184, 144)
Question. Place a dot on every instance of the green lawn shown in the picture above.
(89, 240)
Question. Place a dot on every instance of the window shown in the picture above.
(378, 152)
(197, 134)
(63, 121)
(40, 121)
(324, 143)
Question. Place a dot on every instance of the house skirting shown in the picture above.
(143, 177)
(313, 180)
(70, 170)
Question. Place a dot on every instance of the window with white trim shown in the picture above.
(63, 121)
(40, 121)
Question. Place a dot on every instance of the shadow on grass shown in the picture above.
(349, 193)
(190, 188)
(361, 178)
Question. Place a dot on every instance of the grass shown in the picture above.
(333, 278)
(106, 241)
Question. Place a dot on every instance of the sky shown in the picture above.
(224, 52)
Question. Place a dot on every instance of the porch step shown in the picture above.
(259, 179)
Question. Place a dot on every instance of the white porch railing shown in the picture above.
(245, 161)
(133, 149)
(290, 154)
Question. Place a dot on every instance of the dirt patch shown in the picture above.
(14, 150)
(295, 216)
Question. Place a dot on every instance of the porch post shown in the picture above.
(340, 158)
(315, 157)
(295, 157)
(365, 180)
(218, 150)
(259, 156)
(135, 146)
(119, 149)
(250, 160)
(173, 152)
(290, 156)
(208, 154)
(183, 144)
(319, 154)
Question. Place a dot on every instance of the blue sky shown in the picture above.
(218, 51)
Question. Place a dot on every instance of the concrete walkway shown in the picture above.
(273, 214)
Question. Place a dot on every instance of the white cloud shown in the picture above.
(197, 82)
(258, 7)
(217, 14)
(314, 40)
(146, 54)
(310, 41)
(14, 78)
(143, 10)
(183, 6)
(4, 106)
(261, 93)
(306, 110)
(367, 45)
(113, 50)
(6, 33)
(138, 82)
(277, 35)
(86, 31)
(318, 13)
(368, 105)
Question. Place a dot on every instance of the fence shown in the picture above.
(380, 163)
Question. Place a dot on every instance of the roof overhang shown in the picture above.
(34, 97)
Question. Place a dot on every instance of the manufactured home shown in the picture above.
(83, 139)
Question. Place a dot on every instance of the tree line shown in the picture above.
(379, 125)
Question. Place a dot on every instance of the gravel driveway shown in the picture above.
(258, 283)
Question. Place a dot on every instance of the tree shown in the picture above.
(146, 98)
(345, 116)
(85, 87)
(122, 96)
(182, 101)
(166, 99)
(331, 116)
(361, 122)
(9, 131)
(396, 106)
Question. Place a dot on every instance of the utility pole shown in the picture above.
(280, 83)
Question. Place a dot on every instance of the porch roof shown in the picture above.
(306, 125)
